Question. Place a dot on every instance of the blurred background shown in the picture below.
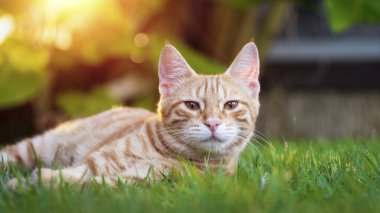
(64, 59)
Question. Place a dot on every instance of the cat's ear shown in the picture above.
(172, 69)
(245, 68)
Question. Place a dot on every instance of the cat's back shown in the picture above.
(80, 137)
(124, 115)
(106, 121)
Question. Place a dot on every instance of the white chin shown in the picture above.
(212, 144)
(214, 140)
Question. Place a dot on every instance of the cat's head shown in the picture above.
(209, 114)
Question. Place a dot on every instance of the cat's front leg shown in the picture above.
(52, 178)
(78, 174)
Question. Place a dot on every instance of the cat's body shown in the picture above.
(204, 119)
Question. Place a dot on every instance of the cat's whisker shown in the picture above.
(265, 140)
(250, 144)
(262, 142)
(261, 139)
(262, 134)
(244, 135)
(253, 140)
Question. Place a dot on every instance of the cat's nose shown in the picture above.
(212, 124)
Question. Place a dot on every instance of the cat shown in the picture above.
(204, 119)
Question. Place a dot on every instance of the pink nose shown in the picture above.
(212, 124)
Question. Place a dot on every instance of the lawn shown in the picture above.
(298, 176)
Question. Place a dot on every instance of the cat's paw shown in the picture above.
(47, 177)
(3, 159)
(15, 183)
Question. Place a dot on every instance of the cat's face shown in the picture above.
(210, 114)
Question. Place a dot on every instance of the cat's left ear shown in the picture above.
(172, 70)
(245, 68)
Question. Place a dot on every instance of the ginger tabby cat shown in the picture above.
(205, 119)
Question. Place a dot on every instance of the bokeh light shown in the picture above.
(141, 40)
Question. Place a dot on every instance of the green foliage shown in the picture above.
(342, 14)
(80, 104)
(22, 72)
(342, 176)
(241, 3)
(147, 102)
(18, 87)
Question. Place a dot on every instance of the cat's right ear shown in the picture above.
(172, 70)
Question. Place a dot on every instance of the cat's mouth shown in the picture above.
(213, 138)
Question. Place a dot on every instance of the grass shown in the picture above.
(341, 176)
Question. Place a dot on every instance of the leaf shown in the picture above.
(241, 3)
(23, 57)
(148, 102)
(18, 87)
(80, 104)
(22, 72)
(343, 14)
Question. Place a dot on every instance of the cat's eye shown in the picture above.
(192, 105)
(230, 105)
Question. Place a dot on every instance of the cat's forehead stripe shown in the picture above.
(215, 85)
(212, 80)
(194, 91)
(206, 85)
(219, 88)
(201, 90)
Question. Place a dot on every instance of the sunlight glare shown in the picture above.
(6, 27)
(57, 7)
(65, 16)
(63, 39)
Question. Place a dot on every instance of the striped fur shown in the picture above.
(127, 142)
